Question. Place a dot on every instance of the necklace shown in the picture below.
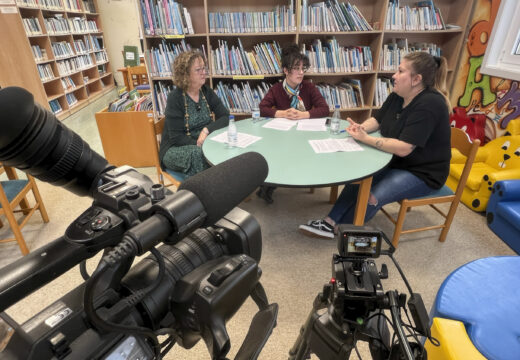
(187, 115)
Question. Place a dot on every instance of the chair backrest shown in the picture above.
(137, 75)
(461, 141)
(155, 129)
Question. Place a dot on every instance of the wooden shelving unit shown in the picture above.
(454, 12)
(88, 68)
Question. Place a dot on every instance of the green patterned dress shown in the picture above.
(189, 159)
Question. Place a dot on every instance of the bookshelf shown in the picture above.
(56, 51)
(278, 27)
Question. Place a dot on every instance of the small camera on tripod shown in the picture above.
(351, 306)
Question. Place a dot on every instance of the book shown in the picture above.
(130, 55)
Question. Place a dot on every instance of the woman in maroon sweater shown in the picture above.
(292, 99)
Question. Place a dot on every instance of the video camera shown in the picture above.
(185, 290)
(355, 302)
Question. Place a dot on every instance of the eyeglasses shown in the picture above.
(300, 68)
(201, 70)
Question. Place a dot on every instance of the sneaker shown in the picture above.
(266, 193)
(319, 228)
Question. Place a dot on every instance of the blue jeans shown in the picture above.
(388, 185)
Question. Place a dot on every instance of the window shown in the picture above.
(502, 57)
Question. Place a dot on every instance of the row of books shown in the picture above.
(347, 94)
(165, 17)
(384, 86)
(55, 106)
(265, 58)
(39, 53)
(88, 6)
(67, 83)
(45, 72)
(280, 19)
(423, 16)
(71, 99)
(329, 57)
(332, 15)
(62, 49)
(160, 59)
(75, 64)
(80, 47)
(82, 25)
(144, 103)
(241, 97)
(32, 26)
(101, 56)
(72, 5)
(395, 51)
(161, 90)
(125, 101)
(102, 69)
(58, 25)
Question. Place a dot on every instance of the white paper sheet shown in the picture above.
(280, 124)
(312, 125)
(334, 145)
(243, 139)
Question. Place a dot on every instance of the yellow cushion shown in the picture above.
(455, 342)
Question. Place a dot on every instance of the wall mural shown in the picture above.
(484, 104)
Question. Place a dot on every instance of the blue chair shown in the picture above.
(461, 142)
(503, 212)
(13, 193)
(484, 296)
(167, 177)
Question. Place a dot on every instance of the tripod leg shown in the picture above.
(301, 349)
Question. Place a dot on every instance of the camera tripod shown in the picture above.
(323, 335)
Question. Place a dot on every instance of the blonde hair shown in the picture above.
(182, 65)
(433, 69)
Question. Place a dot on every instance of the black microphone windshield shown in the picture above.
(33, 140)
(222, 187)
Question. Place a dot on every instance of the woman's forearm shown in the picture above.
(390, 145)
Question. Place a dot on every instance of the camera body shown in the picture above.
(209, 274)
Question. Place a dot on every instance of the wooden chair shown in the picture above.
(461, 142)
(167, 177)
(13, 192)
(138, 79)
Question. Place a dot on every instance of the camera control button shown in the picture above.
(208, 290)
(100, 223)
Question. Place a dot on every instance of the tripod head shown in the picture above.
(355, 302)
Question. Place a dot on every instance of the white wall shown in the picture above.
(120, 27)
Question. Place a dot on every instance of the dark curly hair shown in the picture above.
(182, 65)
(291, 56)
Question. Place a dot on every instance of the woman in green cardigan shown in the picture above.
(188, 115)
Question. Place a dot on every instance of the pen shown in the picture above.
(342, 131)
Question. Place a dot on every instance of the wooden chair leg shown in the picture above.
(333, 194)
(39, 200)
(399, 224)
(24, 205)
(449, 220)
(16, 231)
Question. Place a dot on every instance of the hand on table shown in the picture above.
(356, 131)
(202, 136)
(292, 114)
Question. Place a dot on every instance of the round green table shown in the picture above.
(293, 163)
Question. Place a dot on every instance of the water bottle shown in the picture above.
(232, 132)
(255, 110)
(334, 122)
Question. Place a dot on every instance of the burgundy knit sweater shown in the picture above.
(277, 99)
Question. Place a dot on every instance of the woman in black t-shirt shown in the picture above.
(414, 126)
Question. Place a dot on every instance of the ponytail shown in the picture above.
(434, 71)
